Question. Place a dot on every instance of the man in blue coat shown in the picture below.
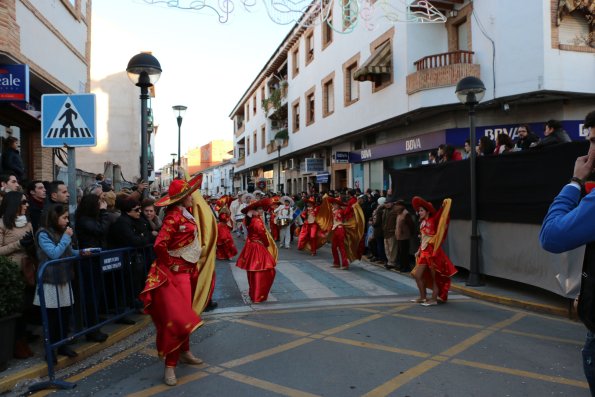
(569, 224)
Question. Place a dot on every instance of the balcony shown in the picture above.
(241, 161)
(441, 70)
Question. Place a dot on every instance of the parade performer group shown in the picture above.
(433, 269)
(226, 248)
(181, 280)
(259, 255)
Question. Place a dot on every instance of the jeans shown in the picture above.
(589, 361)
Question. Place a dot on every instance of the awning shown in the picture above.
(380, 62)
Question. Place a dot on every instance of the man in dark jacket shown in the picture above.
(526, 137)
(11, 158)
(36, 195)
(554, 133)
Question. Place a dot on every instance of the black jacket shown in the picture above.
(12, 161)
(129, 232)
(525, 143)
(558, 136)
(91, 232)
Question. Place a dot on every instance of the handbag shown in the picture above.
(586, 299)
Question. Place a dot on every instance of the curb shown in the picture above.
(84, 351)
(499, 299)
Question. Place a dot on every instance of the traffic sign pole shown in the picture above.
(71, 184)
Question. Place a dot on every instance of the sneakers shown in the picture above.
(169, 377)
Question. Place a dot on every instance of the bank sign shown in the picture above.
(14, 83)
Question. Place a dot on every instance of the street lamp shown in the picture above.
(173, 164)
(179, 111)
(144, 70)
(279, 142)
(470, 91)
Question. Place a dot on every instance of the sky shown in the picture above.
(207, 65)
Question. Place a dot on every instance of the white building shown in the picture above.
(53, 39)
(218, 179)
(353, 105)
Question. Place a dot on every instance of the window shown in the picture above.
(254, 104)
(327, 31)
(328, 95)
(248, 111)
(310, 106)
(350, 85)
(262, 137)
(247, 146)
(295, 60)
(309, 46)
(295, 111)
(574, 30)
(262, 93)
(255, 141)
(383, 80)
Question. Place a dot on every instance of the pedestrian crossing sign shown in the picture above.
(68, 120)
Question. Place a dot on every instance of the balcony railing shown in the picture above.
(444, 59)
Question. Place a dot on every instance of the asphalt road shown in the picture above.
(327, 332)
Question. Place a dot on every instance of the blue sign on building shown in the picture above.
(68, 120)
(14, 83)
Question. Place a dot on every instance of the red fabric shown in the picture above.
(273, 226)
(177, 232)
(338, 247)
(437, 260)
(254, 255)
(184, 284)
(226, 248)
(309, 234)
(260, 284)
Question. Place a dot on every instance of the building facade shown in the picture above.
(218, 179)
(52, 38)
(347, 107)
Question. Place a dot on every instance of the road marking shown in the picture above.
(266, 353)
(161, 388)
(436, 321)
(311, 287)
(357, 281)
(377, 347)
(263, 384)
(352, 324)
(544, 337)
(521, 373)
(271, 327)
(402, 379)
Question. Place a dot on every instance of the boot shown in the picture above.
(21, 349)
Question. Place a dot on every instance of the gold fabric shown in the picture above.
(354, 231)
(442, 227)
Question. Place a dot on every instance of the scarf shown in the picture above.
(20, 221)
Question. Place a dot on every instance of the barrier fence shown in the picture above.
(78, 295)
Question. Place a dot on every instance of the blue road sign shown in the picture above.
(68, 120)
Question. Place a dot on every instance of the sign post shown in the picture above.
(68, 120)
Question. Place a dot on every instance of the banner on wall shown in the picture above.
(14, 83)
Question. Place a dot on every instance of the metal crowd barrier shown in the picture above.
(84, 293)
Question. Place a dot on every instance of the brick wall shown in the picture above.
(42, 159)
(440, 77)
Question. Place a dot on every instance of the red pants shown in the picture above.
(338, 247)
(183, 281)
(308, 235)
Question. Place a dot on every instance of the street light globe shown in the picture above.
(179, 110)
(143, 70)
(279, 142)
(470, 90)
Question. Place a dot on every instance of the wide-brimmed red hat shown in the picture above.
(265, 203)
(336, 200)
(310, 200)
(178, 190)
(418, 202)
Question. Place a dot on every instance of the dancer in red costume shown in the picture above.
(226, 248)
(259, 255)
(309, 237)
(272, 217)
(170, 292)
(433, 269)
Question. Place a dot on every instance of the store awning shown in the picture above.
(11, 114)
(380, 62)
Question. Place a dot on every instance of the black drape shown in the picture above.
(515, 187)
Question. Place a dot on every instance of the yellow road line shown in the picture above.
(352, 324)
(266, 353)
(98, 367)
(521, 373)
(163, 387)
(402, 379)
(263, 384)
(436, 321)
(271, 327)
(544, 337)
(377, 347)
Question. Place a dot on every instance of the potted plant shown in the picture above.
(11, 301)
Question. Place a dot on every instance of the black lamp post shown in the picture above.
(279, 142)
(179, 111)
(144, 70)
(173, 165)
(470, 91)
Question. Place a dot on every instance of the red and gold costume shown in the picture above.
(180, 281)
(259, 255)
(311, 236)
(273, 217)
(346, 230)
(226, 248)
(433, 230)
